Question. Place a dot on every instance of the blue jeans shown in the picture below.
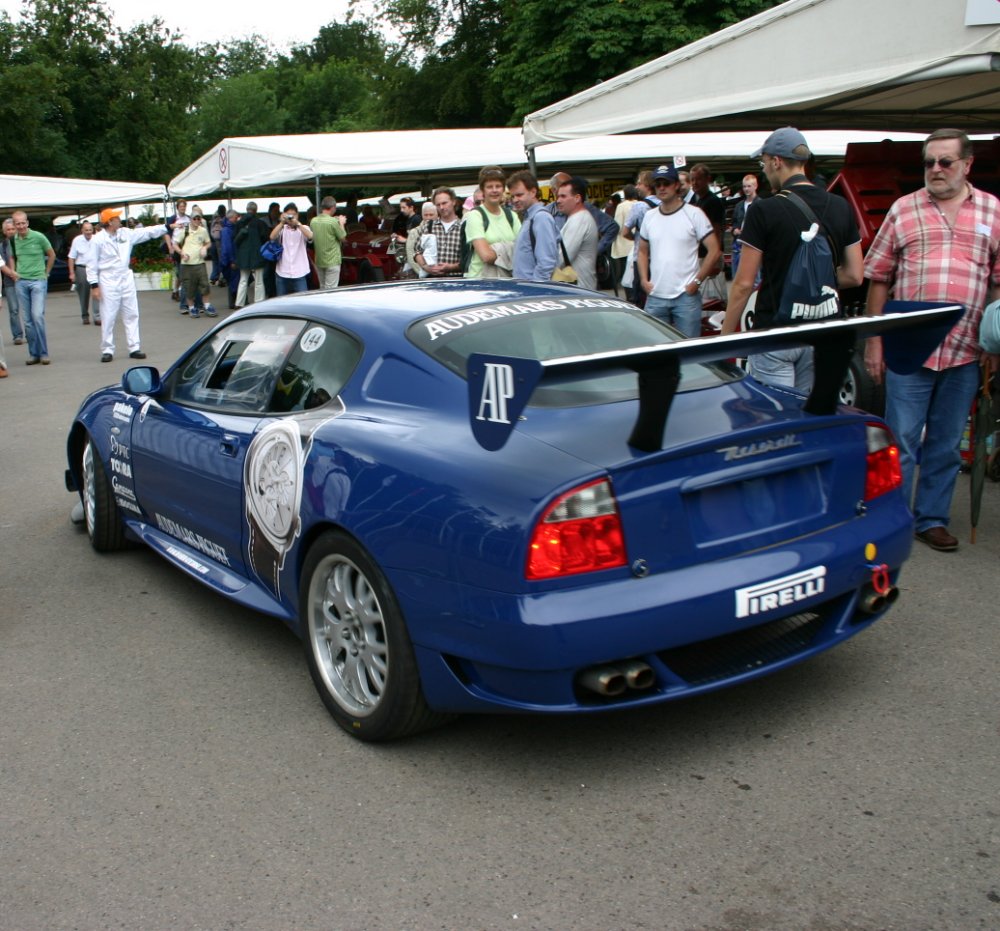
(291, 285)
(10, 296)
(789, 368)
(940, 401)
(682, 312)
(31, 296)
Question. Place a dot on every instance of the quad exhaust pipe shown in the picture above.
(611, 681)
(873, 601)
(879, 593)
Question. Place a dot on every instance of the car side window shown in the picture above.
(317, 368)
(263, 365)
(236, 370)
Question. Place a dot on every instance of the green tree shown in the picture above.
(559, 47)
(30, 107)
(490, 62)
(51, 93)
(243, 105)
(88, 100)
(331, 97)
(157, 81)
(244, 56)
(344, 42)
(449, 51)
(333, 83)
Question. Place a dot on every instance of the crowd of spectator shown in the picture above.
(504, 229)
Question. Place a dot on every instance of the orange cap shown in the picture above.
(108, 214)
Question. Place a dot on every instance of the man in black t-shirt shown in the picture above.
(770, 238)
(704, 197)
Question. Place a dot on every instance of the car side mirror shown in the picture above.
(142, 379)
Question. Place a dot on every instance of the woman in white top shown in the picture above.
(292, 270)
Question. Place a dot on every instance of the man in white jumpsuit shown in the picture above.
(112, 283)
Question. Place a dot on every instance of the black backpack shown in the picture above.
(466, 246)
(809, 294)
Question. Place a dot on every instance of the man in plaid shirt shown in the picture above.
(447, 229)
(940, 243)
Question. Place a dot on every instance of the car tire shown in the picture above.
(860, 390)
(357, 646)
(101, 515)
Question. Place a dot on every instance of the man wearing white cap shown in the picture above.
(770, 238)
(112, 283)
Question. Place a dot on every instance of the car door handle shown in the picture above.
(229, 445)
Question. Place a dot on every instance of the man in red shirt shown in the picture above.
(940, 243)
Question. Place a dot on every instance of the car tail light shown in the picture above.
(884, 472)
(581, 531)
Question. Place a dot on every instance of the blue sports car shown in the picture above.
(499, 496)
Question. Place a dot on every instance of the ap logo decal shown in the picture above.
(499, 390)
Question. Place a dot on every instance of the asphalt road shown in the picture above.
(166, 764)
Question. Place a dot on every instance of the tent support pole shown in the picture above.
(532, 167)
(316, 198)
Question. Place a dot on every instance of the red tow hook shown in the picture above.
(879, 593)
(880, 579)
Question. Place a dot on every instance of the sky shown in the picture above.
(295, 23)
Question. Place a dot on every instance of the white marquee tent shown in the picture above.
(913, 65)
(64, 195)
(397, 161)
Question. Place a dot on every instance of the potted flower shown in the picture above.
(151, 267)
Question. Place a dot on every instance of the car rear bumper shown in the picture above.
(697, 629)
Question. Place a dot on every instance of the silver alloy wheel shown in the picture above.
(89, 489)
(347, 635)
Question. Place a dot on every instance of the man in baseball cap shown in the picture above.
(770, 238)
(668, 264)
(666, 173)
(111, 280)
(786, 142)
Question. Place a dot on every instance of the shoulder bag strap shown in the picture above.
(565, 254)
(794, 198)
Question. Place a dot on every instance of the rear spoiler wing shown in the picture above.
(500, 387)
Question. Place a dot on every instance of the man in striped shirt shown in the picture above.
(940, 243)
(447, 229)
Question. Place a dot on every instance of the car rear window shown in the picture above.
(556, 328)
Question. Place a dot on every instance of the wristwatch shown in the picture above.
(273, 476)
(273, 484)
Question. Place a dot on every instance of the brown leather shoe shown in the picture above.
(937, 538)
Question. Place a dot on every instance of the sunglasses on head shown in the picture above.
(945, 163)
